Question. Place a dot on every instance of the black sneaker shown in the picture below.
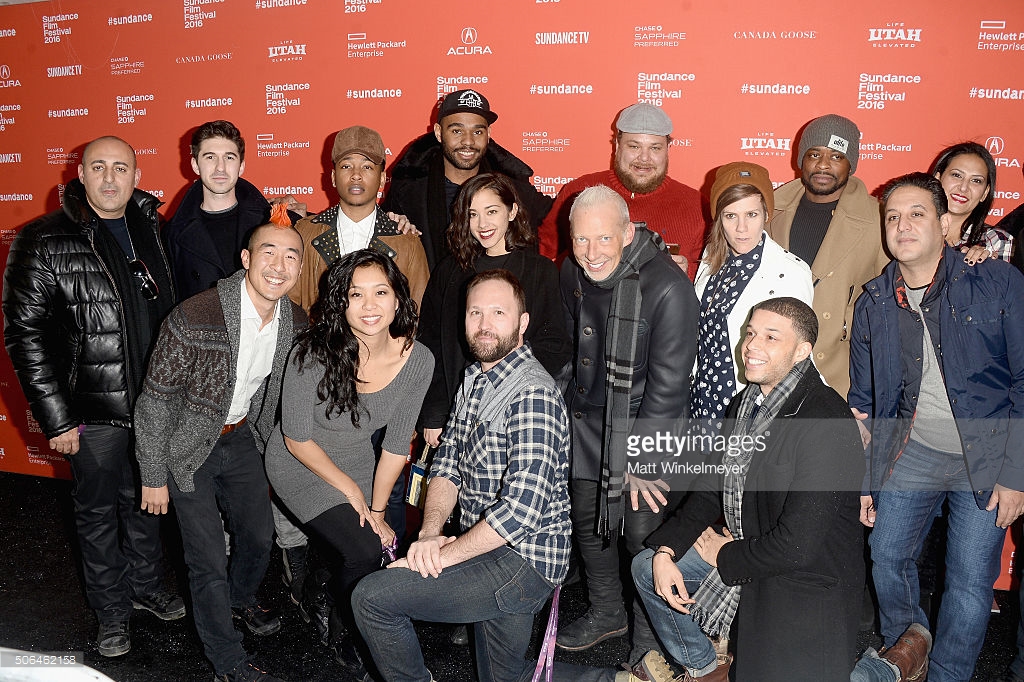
(259, 620)
(113, 639)
(247, 672)
(591, 628)
(162, 604)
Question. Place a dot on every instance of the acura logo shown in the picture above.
(469, 36)
(5, 71)
(994, 145)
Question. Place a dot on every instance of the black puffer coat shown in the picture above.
(64, 320)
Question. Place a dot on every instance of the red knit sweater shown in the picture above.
(673, 210)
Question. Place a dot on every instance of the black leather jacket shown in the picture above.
(64, 320)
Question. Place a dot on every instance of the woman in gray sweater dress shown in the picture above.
(356, 369)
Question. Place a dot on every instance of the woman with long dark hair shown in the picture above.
(968, 174)
(356, 369)
(741, 267)
(489, 230)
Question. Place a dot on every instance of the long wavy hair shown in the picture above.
(329, 341)
(461, 241)
(974, 226)
(717, 250)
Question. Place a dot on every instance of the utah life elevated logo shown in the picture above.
(469, 44)
(894, 34)
(287, 51)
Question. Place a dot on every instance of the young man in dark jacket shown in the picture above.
(84, 291)
(213, 221)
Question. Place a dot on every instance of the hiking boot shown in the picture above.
(259, 620)
(910, 653)
(162, 604)
(592, 627)
(113, 639)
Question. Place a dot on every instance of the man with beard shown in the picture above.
(640, 176)
(828, 218)
(427, 178)
(504, 460)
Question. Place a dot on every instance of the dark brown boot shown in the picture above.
(910, 653)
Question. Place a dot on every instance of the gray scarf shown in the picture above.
(619, 352)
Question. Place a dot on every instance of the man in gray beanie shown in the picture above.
(828, 218)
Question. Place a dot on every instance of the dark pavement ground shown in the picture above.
(42, 608)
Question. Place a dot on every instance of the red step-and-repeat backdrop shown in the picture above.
(738, 78)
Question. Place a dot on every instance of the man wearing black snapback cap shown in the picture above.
(426, 180)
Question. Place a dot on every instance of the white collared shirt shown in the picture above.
(352, 235)
(255, 356)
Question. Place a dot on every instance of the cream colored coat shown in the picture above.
(850, 255)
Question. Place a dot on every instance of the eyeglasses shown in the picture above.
(149, 288)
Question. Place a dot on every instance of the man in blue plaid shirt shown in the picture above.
(504, 459)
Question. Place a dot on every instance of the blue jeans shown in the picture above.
(908, 502)
(498, 591)
(682, 639)
(231, 480)
(120, 544)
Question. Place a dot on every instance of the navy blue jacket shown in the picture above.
(981, 354)
(195, 263)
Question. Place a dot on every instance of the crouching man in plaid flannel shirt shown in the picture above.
(503, 459)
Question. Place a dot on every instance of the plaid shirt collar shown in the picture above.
(505, 367)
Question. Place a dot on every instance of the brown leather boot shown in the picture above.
(910, 653)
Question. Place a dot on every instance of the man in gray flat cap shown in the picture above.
(640, 176)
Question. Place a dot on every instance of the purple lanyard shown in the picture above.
(546, 660)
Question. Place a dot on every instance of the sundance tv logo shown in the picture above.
(470, 37)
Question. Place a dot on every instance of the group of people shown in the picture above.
(267, 374)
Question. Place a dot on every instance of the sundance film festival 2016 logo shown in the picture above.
(52, 29)
(447, 84)
(7, 80)
(7, 115)
(469, 46)
(766, 144)
(894, 34)
(287, 52)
